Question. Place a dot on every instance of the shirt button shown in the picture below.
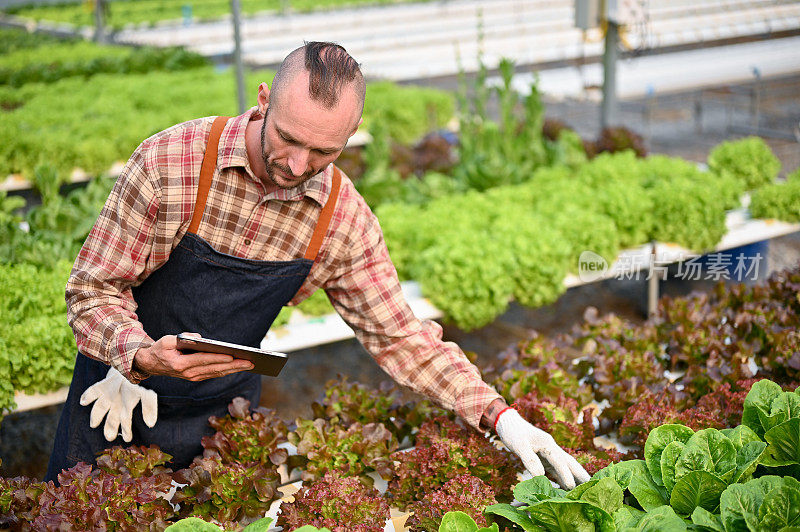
(246, 241)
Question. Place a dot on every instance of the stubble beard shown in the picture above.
(270, 166)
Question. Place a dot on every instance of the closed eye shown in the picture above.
(287, 139)
(290, 140)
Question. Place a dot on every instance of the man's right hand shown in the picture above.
(163, 358)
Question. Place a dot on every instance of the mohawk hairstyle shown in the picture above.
(330, 69)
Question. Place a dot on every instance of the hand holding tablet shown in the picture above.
(267, 363)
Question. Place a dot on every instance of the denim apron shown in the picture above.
(198, 290)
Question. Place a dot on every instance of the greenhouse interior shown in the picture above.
(460, 265)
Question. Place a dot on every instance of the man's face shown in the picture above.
(300, 137)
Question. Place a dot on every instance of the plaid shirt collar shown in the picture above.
(233, 153)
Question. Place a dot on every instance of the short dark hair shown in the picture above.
(330, 69)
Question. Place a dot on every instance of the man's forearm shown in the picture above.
(138, 357)
(489, 416)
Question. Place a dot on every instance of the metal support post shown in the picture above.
(755, 101)
(698, 112)
(649, 108)
(608, 116)
(99, 21)
(237, 55)
(652, 286)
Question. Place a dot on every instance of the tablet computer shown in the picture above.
(267, 363)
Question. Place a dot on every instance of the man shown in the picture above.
(212, 227)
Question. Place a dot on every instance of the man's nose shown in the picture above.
(298, 161)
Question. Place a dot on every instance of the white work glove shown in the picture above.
(114, 398)
(533, 445)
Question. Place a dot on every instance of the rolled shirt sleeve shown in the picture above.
(100, 306)
(366, 292)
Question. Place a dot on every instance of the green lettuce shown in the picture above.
(461, 522)
(749, 160)
(686, 469)
(774, 415)
(588, 507)
(765, 503)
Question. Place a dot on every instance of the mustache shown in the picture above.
(287, 170)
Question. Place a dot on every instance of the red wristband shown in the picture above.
(494, 427)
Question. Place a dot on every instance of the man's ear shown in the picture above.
(360, 121)
(263, 98)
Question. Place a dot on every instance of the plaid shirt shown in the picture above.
(149, 210)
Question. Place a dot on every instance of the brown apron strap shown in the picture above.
(207, 171)
(324, 217)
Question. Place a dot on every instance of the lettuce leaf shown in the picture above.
(740, 503)
(657, 441)
(697, 488)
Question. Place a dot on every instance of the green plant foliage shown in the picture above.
(192, 524)
(540, 255)
(658, 440)
(405, 113)
(688, 470)
(101, 120)
(499, 153)
(336, 501)
(106, 500)
(380, 182)
(588, 507)
(463, 493)
(689, 480)
(774, 415)
(780, 201)
(13, 40)
(57, 228)
(136, 461)
(355, 451)
(473, 252)
(246, 436)
(37, 348)
(549, 381)
(444, 450)
(19, 501)
(150, 12)
(468, 279)
(686, 209)
(463, 267)
(765, 503)
(616, 191)
(84, 130)
(346, 403)
(567, 150)
(42, 354)
(461, 522)
(226, 493)
(535, 230)
(749, 160)
(660, 519)
(10, 220)
(51, 62)
(656, 168)
(571, 430)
